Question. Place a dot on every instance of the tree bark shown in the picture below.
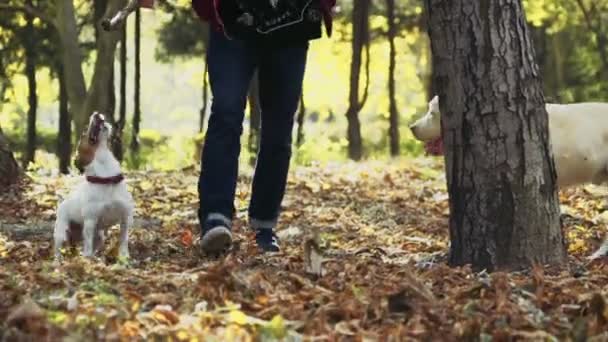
(360, 39)
(64, 137)
(255, 119)
(501, 177)
(393, 130)
(30, 72)
(9, 170)
(300, 119)
(136, 99)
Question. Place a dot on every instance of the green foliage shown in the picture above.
(173, 45)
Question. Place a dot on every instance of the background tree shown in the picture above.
(360, 40)
(137, 80)
(64, 135)
(504, 211)
(29, 41)
(255, 119)
(9, 170)
(117, 146)
(393, 130)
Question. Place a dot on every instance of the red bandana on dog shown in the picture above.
(434, 147)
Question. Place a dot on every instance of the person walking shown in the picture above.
(272, 38)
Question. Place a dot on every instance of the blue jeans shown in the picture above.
(231, 65)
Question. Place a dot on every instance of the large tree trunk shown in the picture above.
(83, 102)
(501, 177)
(64, 142)
(30, 72)
(72, 60)
(9, 170)
(360, 39)
(136, 93)
(393, 130)
(98, 95)
(255, 119)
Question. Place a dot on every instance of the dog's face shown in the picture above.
(428, 127)
(99, 129)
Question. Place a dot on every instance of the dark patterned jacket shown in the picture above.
(208, 10)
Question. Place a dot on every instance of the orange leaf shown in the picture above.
(187, 238)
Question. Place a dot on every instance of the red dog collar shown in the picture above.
(106, 180)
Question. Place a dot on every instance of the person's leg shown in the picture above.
(231, 66)
(281, 72)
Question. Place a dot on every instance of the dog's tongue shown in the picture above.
(434, 147)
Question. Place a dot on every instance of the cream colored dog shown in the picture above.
(98, 203)
(579, 139)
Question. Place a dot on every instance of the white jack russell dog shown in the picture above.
(579, 140)
(99, 202)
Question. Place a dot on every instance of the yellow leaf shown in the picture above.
(238, 317)
(277, 327)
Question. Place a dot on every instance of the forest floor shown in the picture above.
(383, 228)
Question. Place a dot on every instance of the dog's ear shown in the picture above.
(85, 153)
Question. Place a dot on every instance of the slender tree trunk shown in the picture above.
(203, 112)
(30, 72)
(117, 147)
(204, 108)
(360, 40)
(393, 130)
(136, 103)
(64, 137)
(300, 119)
(501, 177)
(9, 169)
(255, 119)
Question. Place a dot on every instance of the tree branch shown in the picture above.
(586, 14)
(33, 11)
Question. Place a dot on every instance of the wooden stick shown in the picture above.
(120, 17)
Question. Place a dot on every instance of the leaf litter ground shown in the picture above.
(384, 240)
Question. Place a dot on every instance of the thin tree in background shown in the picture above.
(136, 93)
(393, 130)
(30, 72)
(117, 147)
(255, 119)
(9, 169)
(300, 119)
(203, 111)
(360, 39)
(64, 136)
(205, 106)
(501, 177)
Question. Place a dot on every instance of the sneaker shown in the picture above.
(267, 240)
(216, 236)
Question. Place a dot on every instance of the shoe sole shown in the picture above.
(216, 240)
